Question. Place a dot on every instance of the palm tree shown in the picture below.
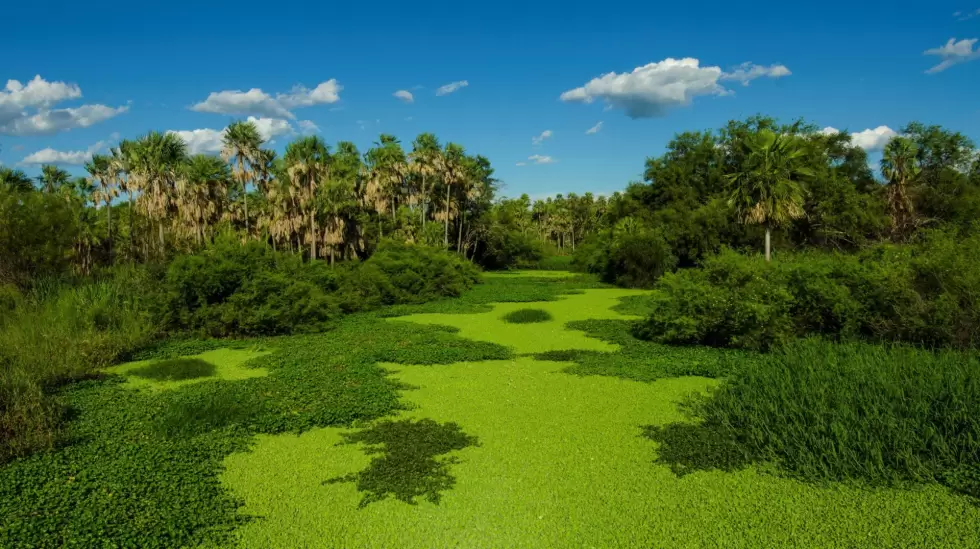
(767, 189)
(155, 163)
(119, 167)
(15, 180)
(425, 163)
(387, 169)
(100, 171)
(242, 144)
(900, 168)
(453, 171)
(203, 189)
(53, 178)
(308, 163)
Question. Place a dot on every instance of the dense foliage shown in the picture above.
(827, 411)
(227, 289)
(926, 293)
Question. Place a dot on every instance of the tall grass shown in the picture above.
(57, 334)
(856, 411)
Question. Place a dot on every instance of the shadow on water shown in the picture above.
(690, 447)
(407, 464)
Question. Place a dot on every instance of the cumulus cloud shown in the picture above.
(257, 102)
(26, 109)
(209, 141)
(540, 138)
(870, 139)
(405, 96)
(953, 52)
(594, 129)
(521, 164)
(538, 159)
(308, 127)
(63, 158)
(651, 90)
(747, 72)
(451, 87)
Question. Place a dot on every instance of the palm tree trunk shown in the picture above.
(313, 239)
(459, 242)
(241, 173)
(767, 243)
(108, 204)
(332, 246)
(423, 203)
(445, 237)
(132, 244)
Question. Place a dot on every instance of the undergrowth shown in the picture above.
(834, 412)
(140, 468)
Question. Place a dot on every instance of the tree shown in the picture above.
(425, 164)
(307, 163)
(53, 178)
(15, 180)
(203, 190)
(453, 171)
(101, 173)
(155, 163)
(242, 144)
(900, 168)
(767, 189)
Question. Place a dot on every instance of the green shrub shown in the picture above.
(505, 249)
(549, 263)
(632, 258)
(827, 411)
(10, 299)
(527, 316)
(927, 293)
(405, 273)
(58, 335)
(175, 369)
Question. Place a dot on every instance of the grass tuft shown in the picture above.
(527, 316)
(176, 369)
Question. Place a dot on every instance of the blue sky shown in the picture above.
(847, 65)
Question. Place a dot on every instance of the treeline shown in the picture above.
(805, 188)
(867, 317)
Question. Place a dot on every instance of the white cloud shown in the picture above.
(404, 95)
(308, 126)
(451, 87)
(654, 88)
(594, 129)
(202, 141)
(17, 100)
(953, 53)
(746, 72)
(64, 158)
(960, 16)
(521, 164)
(538, 159)
(209, 141)
(869, 139)
(539, 139)
(255, 101)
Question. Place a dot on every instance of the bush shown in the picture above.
(828, 411)
(505, 249)
(527, 316)
(634, 259)
(235, 289)
(231, 289)
(927, 293)
(58, 335)
(405, 273)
